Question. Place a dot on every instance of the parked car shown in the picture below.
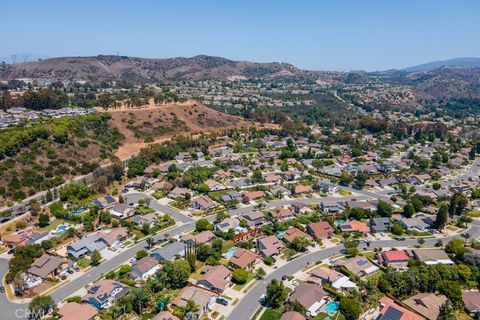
(2, 289)
(400, 238)
(223, 302)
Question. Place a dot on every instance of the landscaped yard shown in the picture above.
(215, 195)
(83, 262)
(53, 225)
(474, 214)
(271, 314)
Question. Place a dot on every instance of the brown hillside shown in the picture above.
(161, 122)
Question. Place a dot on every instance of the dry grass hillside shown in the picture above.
(159, 123)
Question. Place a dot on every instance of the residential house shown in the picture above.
(271, 177)
(227, 224)
(471, 301)
(427, 304)
(85, 245)
(203, 203)
(301, 189)
(202, 237)
(105, 202)
(114, 237)
(282, 214)
(122, 211)
(379, 224)
(310, 296)
(280, 191)
(254, 219)
(231, 195)
(396, 259)
(24, 237)
(292, 315)
(179, 193)
(292, 233)
(214, 185)
(332, 206)
(389, 310)
(165, 315)
(320, 230)
(104, 293)
(249, 196)
(298, 206)
(143, 269)
(322, 275)
(243, 259)
(77, 311)
(414, 223)
(169, 252)
(215, 278)
(432, 256)
(149, 219)
(354, 226)
(50, 266)
(359, 265)
(269, 246)
(203, 298)
(326, 186)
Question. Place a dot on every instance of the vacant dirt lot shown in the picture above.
(153, 124)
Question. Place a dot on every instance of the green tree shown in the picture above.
(384, 209)
(40, 306)
(396, 229)
(300, 244)
(43, 220)
(457, 204)
(203, 224)
(442, 217)
(96, 257)
(408, 210)
(141, 254)
(447, 312)
(261, 273)
(276, 294)
(240, 276)
(350, 308)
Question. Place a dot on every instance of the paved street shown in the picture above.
(249, 304)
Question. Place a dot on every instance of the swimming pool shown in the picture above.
(75, 212)
(331, 308)
(281, 234)
(339, 222)
(59, 230)
(231, 252)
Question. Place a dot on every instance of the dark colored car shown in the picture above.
(222, 301)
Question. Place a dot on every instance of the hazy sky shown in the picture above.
(317, 34)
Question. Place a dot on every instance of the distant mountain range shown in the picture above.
(108, 67)
(457, 62)
(455, 78)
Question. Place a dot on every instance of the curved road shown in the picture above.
(247, 306)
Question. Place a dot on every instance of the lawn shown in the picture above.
(271, 314)
(344, 193)
(215, 195)
(83, 262)
(474, 214)
(375, 276)
(53, 225)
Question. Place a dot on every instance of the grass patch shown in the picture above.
(53, 225)
(474, 214)
(83, 262)
(271, 314)
(344, 193)
(215, 195)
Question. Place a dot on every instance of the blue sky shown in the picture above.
(318, 35)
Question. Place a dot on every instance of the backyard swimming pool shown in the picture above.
(59, 230)
(331, 308)
(75, 212)
(281, 234)
(231, 252)
(339, 222)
